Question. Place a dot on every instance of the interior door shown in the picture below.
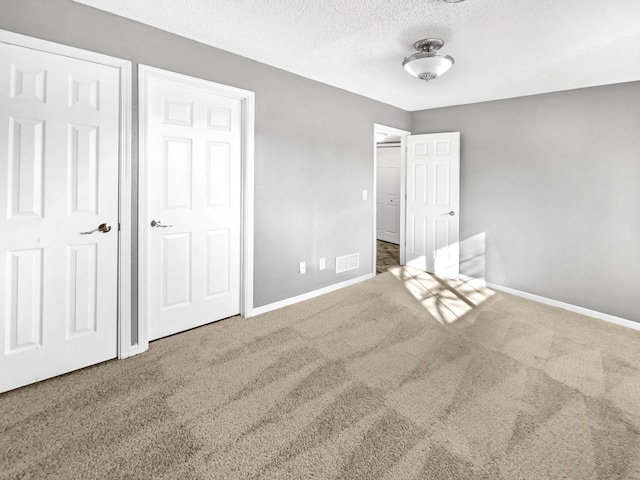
(388, 194)
(59, 147)
(193, 157)
(433, 203)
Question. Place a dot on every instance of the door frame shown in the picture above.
(379, 129)
(247, 99)
(124, 169)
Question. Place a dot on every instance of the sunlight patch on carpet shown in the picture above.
(445, 299)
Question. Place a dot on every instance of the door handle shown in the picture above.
(451, 213)
(158, 224)
(103, 227)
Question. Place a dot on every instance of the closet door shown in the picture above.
(59, 151)
(388, 194)
(192, 140)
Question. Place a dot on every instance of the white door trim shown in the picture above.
(124, 190)
(403, 134)
(248, 121)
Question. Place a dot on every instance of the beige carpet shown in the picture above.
(402, 377)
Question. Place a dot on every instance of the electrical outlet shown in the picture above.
(365, 194)
(322, 264)
(303, 268)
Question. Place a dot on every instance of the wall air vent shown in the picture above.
(347, 262)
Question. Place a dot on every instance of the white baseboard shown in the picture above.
(555, 303)
(308, 295)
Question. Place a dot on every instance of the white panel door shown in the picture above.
(193, 157)
(59, 147)
(433, 202)
(388, 194)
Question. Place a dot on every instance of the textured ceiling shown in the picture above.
(502, 48)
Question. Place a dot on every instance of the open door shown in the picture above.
(433, 203)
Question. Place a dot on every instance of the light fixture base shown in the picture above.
(427, 77)
(428, 45)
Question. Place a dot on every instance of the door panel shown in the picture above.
(176, 272)
(26, 167)
(219, 165)
(433, 185)
(218, 272)
(388, 194)
(59, 150)
(82, 272)
(177, 158)
(25, 298)
(193, 261)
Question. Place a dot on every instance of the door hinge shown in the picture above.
(118, 226)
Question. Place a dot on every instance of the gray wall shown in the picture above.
(550, 201)
(313, 145)
(550, 193)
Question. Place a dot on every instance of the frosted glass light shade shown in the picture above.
(427, 66)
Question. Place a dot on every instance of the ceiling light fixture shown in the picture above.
(427, 64)
(453, 1)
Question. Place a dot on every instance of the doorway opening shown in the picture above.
(389, 192)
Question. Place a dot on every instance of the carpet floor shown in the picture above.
(404, 376)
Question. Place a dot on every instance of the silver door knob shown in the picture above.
(451, 213)
(103, 227)
(158, 224)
